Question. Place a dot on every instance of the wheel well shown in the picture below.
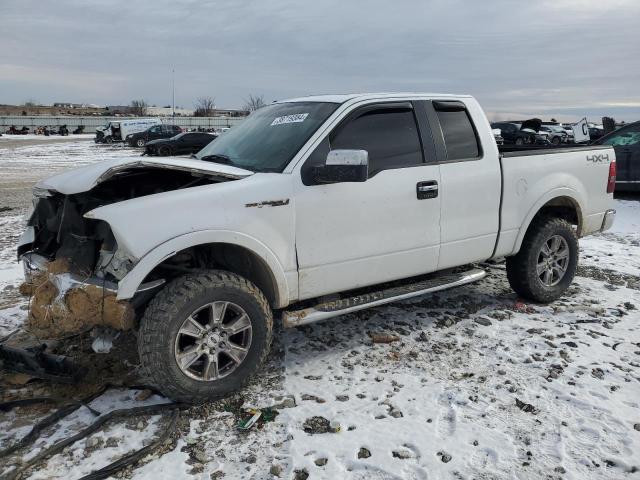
(222, 256)
(565, 208)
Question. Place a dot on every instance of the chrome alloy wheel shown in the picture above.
(213, 341)
(553, 261)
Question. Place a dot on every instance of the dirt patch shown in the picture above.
(58, 308)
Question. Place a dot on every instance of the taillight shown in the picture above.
(611, 183)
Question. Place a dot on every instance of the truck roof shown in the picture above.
(342, 98)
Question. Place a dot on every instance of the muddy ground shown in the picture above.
(469, 383)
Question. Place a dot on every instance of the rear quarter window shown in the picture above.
(459, 135)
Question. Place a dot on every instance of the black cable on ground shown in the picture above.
(133, 457)
(61, 445)
(35, 431)
(25, 402)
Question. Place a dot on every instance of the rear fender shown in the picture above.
(564, 192)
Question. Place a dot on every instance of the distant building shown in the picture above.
(75, 105)
(168, 111)
(119, 109)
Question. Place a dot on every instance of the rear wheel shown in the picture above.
(556, 140)
(203, 336)
(546, 263)
(519, 141)
(108, 140)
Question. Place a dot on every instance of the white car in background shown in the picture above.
(555, 134)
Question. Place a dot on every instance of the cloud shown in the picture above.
(534, 56)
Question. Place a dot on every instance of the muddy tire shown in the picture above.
(546, 263)
(196, 316)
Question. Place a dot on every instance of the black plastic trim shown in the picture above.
(449, 106)
(542, 150)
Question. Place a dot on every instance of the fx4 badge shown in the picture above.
(602, 158)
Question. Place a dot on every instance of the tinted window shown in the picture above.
(459, 135)
(389, 135)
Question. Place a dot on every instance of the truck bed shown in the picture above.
(571, 176)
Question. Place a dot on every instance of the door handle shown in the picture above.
(428, 189)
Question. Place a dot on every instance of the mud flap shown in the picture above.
(34, 361)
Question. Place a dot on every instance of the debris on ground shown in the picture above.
(383, 338)
(59, 306)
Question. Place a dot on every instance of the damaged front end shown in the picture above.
(73, 263)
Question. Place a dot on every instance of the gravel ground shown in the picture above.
(471, 383)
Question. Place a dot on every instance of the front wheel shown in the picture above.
(140, 142)
(203, 336)
(164, 151)
(545, 266)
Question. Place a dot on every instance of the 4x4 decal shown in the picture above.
(600, 158)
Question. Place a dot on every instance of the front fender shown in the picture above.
(286, 282)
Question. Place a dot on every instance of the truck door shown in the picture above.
(350, 235)
(471, 184)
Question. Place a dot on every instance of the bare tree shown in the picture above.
(30, 103)
(205, 107)
(139, 107)
(254, 102)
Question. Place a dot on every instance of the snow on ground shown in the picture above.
(5, 138)
(477, 385)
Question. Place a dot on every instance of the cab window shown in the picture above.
(389, 135)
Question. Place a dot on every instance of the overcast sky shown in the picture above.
(563, 58)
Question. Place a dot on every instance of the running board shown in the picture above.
(334, 308)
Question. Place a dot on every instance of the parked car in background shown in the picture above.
(183, 143)
(156, 132)
(117, 131)
(519, 133)
(497, 135)
(626, 142)
(595, 132)
(555, 134)
(568, 129)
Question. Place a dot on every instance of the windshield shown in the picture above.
(270, 137)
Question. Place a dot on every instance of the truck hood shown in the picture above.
(83, 179)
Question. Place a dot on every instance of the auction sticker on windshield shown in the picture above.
(295, 118)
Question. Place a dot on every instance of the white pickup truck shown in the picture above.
(312, 208)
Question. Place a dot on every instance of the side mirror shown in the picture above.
(344, 166)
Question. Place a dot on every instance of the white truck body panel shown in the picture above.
(329, 238)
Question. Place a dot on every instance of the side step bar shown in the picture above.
(334, 308)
